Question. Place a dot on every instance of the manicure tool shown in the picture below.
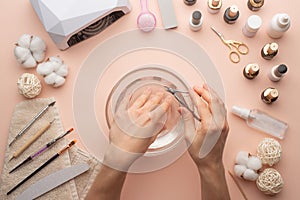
(168, 15)
(146, 20)
(52, 181)
(31, 140)
(174, 93)
(36, 117)
(43, 149)
(236, 47)
(42, 166)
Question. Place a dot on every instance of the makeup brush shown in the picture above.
(42, 166)
(31, 140)
(41, 150)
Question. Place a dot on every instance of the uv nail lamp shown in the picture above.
(69, 22)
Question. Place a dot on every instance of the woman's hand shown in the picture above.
(209, 137)
(135, 128)
(213, 124)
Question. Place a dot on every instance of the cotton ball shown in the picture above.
(254, 163)
(30, 50)
(29, 85)
(250, 175)
(269, 151)
(239, 170)
(54, 71)
(270, 182)
(242, 158)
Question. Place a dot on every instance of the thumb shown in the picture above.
(189, 125)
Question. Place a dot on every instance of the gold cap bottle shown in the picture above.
(269, 95)
(214, 6)
(269, 51)
(251, 71)
(255, 5)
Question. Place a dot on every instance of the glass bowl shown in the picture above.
(155, 77)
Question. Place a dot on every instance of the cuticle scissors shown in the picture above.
(181, 102)
(236, 47)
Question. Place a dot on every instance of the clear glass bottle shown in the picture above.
(262, 121)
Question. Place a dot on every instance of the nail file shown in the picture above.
(52, 181)
(167, 14)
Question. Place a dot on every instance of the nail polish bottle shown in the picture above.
(269, 51)
(231, 14)
(262, 121)
(255, 5)
(277, 72)
(189, 2)
(251, 71)
(279, 24)
(269, 95)
(214, 6)
(252, 25)
(196, 21)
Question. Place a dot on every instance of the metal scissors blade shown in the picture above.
(174, 93)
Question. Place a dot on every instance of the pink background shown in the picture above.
(179, 180)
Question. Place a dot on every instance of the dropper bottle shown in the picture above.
(262, 121)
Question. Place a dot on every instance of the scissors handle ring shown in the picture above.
(234, 56)
(243, 49)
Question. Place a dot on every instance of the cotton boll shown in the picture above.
(30, 50)
(239, 170)
(37, 44)
(59, 81)
(44, 68)
(62, 71)
(56, 59)
(30, 61)
(242, 158)
(56, 65)
(39, 57)
(22, 54)
(54, 71)
(250, 175)
(24, 41)
(50, 79)
(254, 163)
(54, 79)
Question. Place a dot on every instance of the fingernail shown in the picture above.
(196, 87)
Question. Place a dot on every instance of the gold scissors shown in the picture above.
(236, 47)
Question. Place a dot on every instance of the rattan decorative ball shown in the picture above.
(269, 151)
(29, 85)
(270, 181)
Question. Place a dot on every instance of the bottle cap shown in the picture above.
(233, 10)
(282, 69)
(196, 16)
(284, 20)
(241, 112)
(215, 2)
(273, 47)
(254, 22)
